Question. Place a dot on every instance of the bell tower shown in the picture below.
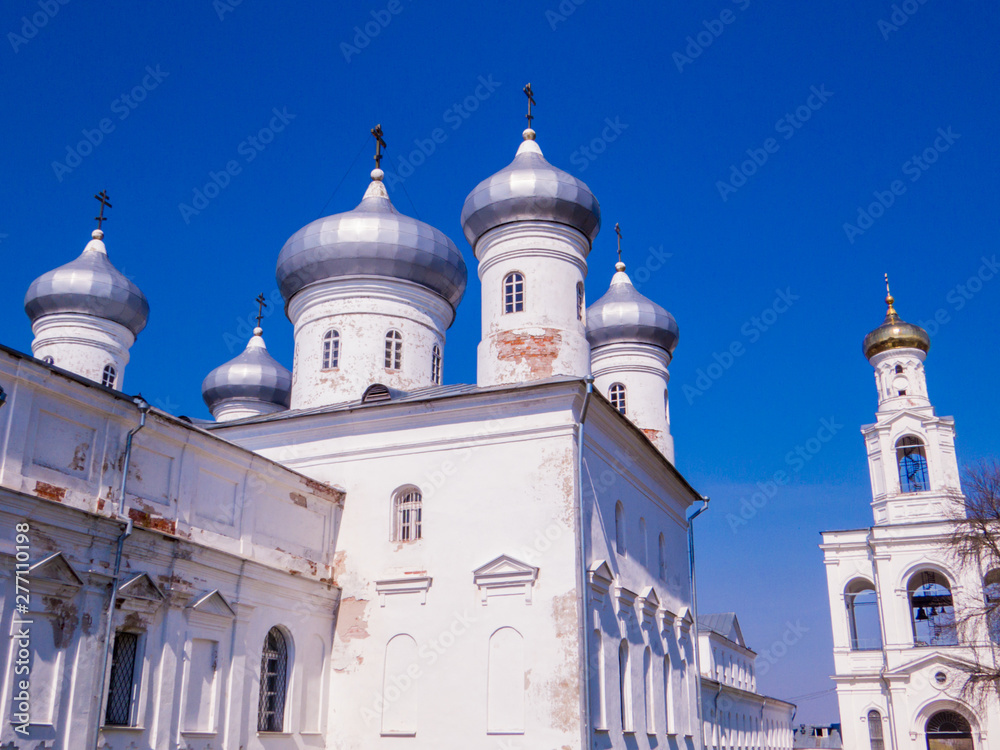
(911, 450)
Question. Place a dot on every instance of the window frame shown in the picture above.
(405, 527)
(109, 376)
(436, 362)
(907, 447)
(282, 658)
(331, 350)
(135, 679)
(393, 360)
(514, 294)
(617, 395)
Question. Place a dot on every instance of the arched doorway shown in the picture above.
(949, 730)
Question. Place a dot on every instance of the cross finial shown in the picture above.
(105, 201)
(379, 145)
(261, 304)
(618, 231)
(888, 297)
(531, 100)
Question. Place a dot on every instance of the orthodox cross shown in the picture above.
(531, 100)
(105, 201)
(379, 145)
(261, 304)
(618, 231)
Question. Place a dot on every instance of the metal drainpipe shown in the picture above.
(694, 607)
(582, 540)
(890, 712)
(143, 407)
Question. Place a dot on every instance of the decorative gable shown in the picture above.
(505, 576)
(54, 577)
(410, 585)
(213, 603)
(649, 603)
(600, 577)
(140, 594)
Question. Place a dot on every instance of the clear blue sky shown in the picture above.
(681, 123)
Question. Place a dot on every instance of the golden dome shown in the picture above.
(895, 333)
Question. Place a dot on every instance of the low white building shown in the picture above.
(735, 714)
(894, 588)
(353, 554)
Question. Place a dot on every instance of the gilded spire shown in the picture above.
(889, 299)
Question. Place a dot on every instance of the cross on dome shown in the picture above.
(105, 201)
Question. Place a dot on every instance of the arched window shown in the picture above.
(625, 685)
(991, 596)
(579, 301)
(668, 695)
(875, 730)
(505, 683)
(932, 610)
(273, 682)
(899, 369)
(513, 293)
(331, 349)
(400, 707)
(616, 394)
(109, 376)
(49, 359)
(620, 528)
(406, 516)
(663, 557)
(863, 616)
(948, 725)
(912, 461)
(436, 365)
(393, 350)
(642, 542)
(647, 683)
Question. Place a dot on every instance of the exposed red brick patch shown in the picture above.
(298, 499)
(653, 435)
(50, 491)
(538, 352)
(156, 523)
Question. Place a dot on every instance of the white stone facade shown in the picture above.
(85, 345)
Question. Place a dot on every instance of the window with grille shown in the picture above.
(331, 349)
(617, 396)
(875, 730)
(109, 376)
(912, 460)
(123, 685)
(579, 301)
(407, 511)
(513, 293)
(436, 365)
(393, 350)
(273, 681)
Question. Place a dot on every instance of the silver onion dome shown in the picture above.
(254, 375)
(625, 316)
(372, 240)
(90, 285)
(530, 189)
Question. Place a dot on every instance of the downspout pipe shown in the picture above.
(890, 709)
(582, 545)
(143, 408)
(694, 608)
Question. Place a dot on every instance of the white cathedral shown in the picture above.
(352, 554)
(901, 653)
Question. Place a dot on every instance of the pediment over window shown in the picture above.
(600, 577)
(55, 577)
(417, 585)
(213, 603)
(649, 603)
(505, 576)
(140, 594)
